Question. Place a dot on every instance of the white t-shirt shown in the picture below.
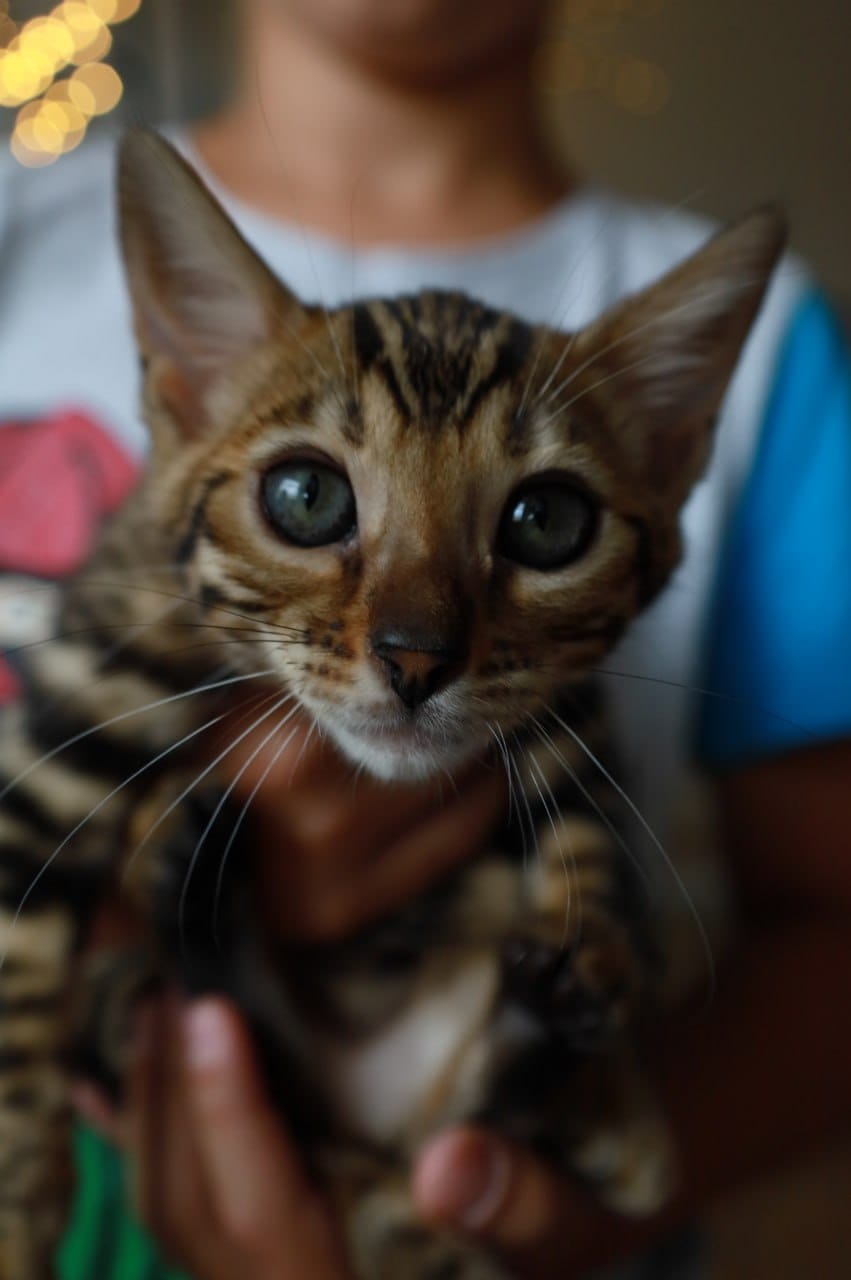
(65, 340)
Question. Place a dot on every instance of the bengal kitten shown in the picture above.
(420, 522)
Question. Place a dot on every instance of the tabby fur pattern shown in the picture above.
(508, 993)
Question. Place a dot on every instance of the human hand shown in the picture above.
(541, 1223)
(219, 1184)
(331, 857)
(215, 1177)
(335, 851)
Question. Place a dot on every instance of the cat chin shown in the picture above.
(400, 762)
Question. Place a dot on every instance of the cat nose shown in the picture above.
(415, 674)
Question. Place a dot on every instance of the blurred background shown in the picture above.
(715, 104)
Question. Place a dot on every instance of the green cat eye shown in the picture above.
(546, 524)
(308, 503)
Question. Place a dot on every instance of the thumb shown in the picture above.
(490, 1188)
(512, 1201)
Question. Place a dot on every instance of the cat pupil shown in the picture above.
(547, 526)
(308, 505)
(533, 511)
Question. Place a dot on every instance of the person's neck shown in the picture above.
(321, 141)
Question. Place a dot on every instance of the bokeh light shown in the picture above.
(582, 55)
(52, 71)
(640, 86)
(95, 88)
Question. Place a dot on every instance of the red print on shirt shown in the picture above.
(59, 477)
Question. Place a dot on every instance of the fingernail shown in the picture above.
(463, 1178)
(205, 1036)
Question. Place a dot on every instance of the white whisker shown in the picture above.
(205, 773)
(224, 798)
(502, 745)
(601, 382)
(47, 864)
(127, 715)
(538, 781)
(616, 835)
(220, 876)
(526, 808)
(668, 861)
(697, 301)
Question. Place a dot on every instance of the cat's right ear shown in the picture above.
(661, 360)
(202, 299)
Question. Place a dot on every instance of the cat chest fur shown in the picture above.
(426, 1064)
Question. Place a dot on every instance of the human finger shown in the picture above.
(278, 754)
(170, 1195)
(259, 1190)
(508, 1198)
(305, 798)
(323, 894)
(416, 858)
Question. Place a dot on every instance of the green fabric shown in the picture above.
(103, 1241)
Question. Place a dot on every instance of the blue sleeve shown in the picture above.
(778, 656)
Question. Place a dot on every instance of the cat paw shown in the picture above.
(387, 1241)
(633, 1170)
(580, 993)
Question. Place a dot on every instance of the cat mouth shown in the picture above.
(400, 733)
(410, 747)
(389, 734)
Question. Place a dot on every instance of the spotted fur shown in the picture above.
(506, 993)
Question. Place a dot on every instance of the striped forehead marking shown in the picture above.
(438, 354)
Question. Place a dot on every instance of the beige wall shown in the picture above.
(758, 106)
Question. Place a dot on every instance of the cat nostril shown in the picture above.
(416, 674)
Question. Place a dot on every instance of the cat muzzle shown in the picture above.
(415, 674)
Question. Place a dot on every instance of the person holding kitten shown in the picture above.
(379, 149)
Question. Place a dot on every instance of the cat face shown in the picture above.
(431, 517)
(436, 564)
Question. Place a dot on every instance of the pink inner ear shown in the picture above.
(192, 329)
(179, 394)
(202, 298)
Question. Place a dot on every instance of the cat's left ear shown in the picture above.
(660, 362)
(202, 299)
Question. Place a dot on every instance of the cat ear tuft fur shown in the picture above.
(202, 299)
(663, 358)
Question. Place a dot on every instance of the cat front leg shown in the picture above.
(569, 955)
(52, 837)
(388, 1241)
(578, 969)
(583, 990)
(35, 1120)
(613, 1136)
(61, 824)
